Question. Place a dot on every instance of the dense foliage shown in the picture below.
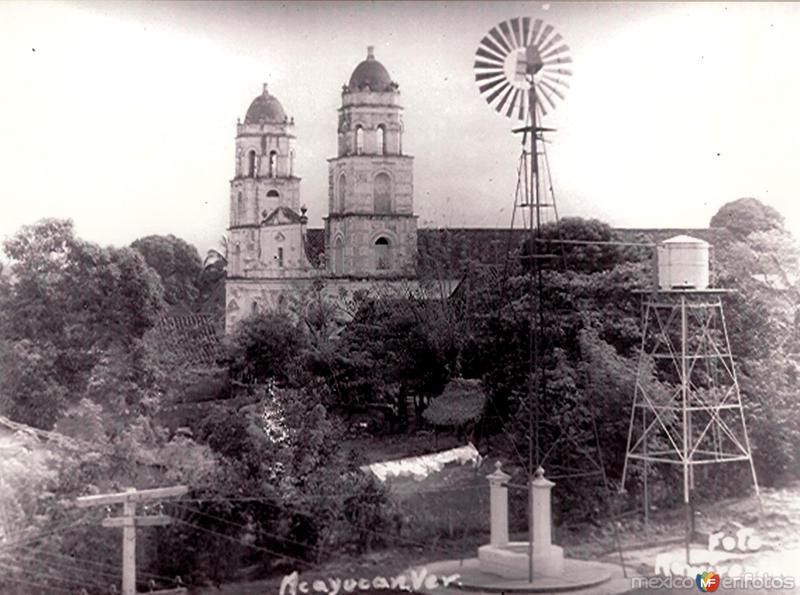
(78, 356)
(271, 484)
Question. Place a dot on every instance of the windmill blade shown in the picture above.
(492, 84)
(487, 55)
(552, 71)
(543, 37)
(503, 99)
(485, 65)
(513, 103)
(499, 39)
(553, 40)
(490, 45)
(553, 53)
(526, 29)
(517, 32)
(506, 30)
(558, 60)
(523, 107)
(493, 95)
(555, 80)
(544, 94)
(482, 76)
(538, 106)
(537, 25)
(486, 87)
(552, 89)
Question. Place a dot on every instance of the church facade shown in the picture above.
(370, 232)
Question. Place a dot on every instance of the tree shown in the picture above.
(68, 301)
(266, 346)
(763, 265)
(178, 266)
(747, 215)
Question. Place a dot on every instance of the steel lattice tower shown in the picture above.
(687, 406)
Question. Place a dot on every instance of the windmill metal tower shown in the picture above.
(520, 69)
(687, 406)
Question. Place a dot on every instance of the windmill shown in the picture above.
(519, 63)
(522, 67)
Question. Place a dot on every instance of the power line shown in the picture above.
(35, 584)
(237, 525)
(238, 542)
(39, 573)
(66, 564)
(102, 565)
(46, 533)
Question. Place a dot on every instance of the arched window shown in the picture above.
(254, 307)
(251, 164)
(383, 256)
(273, 164)
(341, 192)
(280, 258)
(380, 140)
(359, 140)
(273, 198)
(382, 193)
(237, 255)
(240, 205)
(291, 162)
(338, 257)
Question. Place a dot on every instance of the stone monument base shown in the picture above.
(511, 560)
(590, 578)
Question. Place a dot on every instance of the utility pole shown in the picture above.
(129, 522)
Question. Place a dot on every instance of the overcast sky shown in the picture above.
(122, 116)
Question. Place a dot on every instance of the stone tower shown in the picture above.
(264, 181)
(371, 229)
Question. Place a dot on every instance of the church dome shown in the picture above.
(265, 109)
(370, 73)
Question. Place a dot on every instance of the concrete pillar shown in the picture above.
(540, 511)
(498, 506)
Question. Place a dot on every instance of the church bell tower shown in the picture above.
(264, 180)
(371, 229)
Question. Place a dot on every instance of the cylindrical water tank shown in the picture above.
(683, 263)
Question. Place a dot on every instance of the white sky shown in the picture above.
(122, 115)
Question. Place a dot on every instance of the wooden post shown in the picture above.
(129, 546)
(129, 521)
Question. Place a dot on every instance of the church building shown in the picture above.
(370, 234)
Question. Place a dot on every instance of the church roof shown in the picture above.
(453, 248)
(370, 73)
(265, 109)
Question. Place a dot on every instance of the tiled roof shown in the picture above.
(194, 338)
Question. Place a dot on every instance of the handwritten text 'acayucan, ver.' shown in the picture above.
(413, 581)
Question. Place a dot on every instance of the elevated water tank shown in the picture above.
(683, 263)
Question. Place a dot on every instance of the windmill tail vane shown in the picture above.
(519, 61)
